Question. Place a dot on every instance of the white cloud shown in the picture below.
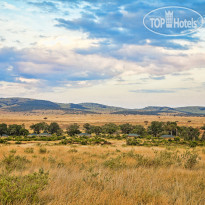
(8, 6)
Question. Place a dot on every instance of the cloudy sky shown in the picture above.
(98, 51)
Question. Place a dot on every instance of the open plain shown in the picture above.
(29, 118)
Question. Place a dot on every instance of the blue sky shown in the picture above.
(98, 51)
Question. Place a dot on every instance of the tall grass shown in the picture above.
(109, 175)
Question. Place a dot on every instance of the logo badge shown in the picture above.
(173, 21)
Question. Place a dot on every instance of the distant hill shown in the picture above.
(25, 104)
(95, 107)
(28, 105)
(192, 110)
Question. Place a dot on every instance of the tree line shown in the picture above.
(156, 129)
(20, 130)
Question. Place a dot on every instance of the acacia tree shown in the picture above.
(17, 130)
(203, 127)
(110, 128)
(156, 128)
(126, 128)
(54, 128)
(171, 128)
(73, 129)
(87, 128)
(189, 133)
(96, 129)
(139, 129)
(3, 129)
(39, 127)
(203, 137)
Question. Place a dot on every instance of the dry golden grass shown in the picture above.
(78, 175)
(65, 119)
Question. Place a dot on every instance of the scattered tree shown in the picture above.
(156, 128)
(54, 128)
(126, 128)
(3, 129)
(110, 128)
(73, 129)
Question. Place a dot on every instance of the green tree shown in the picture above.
(17, 130)
(171, 128)
(126, 128)
(39, 127)
(73, 129)
(87, 128)
(203, 127)
(189, 133)
(110, 128)
(3, 129)
(96, 129)
(203, 137)
(139, 129)
(54, 128)
(156, 128)
(24, 132)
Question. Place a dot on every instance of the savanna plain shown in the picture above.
(52, 173)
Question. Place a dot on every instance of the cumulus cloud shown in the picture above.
(100, 47)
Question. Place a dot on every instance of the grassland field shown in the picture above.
(97, 119)
(113, 174)
(105, 174)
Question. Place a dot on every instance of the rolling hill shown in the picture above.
(28, 105)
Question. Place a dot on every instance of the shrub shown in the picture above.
(190, 159)
(3, 141)
(73, 150)
(21, 189)
(51, 160)
(13, 151)
(114, 163)
(84, 140)
(193, 144)
(42, 150)
(13, 162)
(167, 158)
(177, 139)
(132, 141)
(164, 158)
(29, 150)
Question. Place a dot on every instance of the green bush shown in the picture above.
(84, 140)
(3, 141)
(22, 189)
(114, 163)
(193, 144)
(29, 150)
(190, 159)
(167, 158)
(51, 160)
(73, 150)
(42, 150)
(132, 141)
(13, 162)
(13, 151)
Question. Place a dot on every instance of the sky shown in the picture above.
(99, 51)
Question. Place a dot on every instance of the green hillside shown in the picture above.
(95, 107)
(192, 109)
(27, 105)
